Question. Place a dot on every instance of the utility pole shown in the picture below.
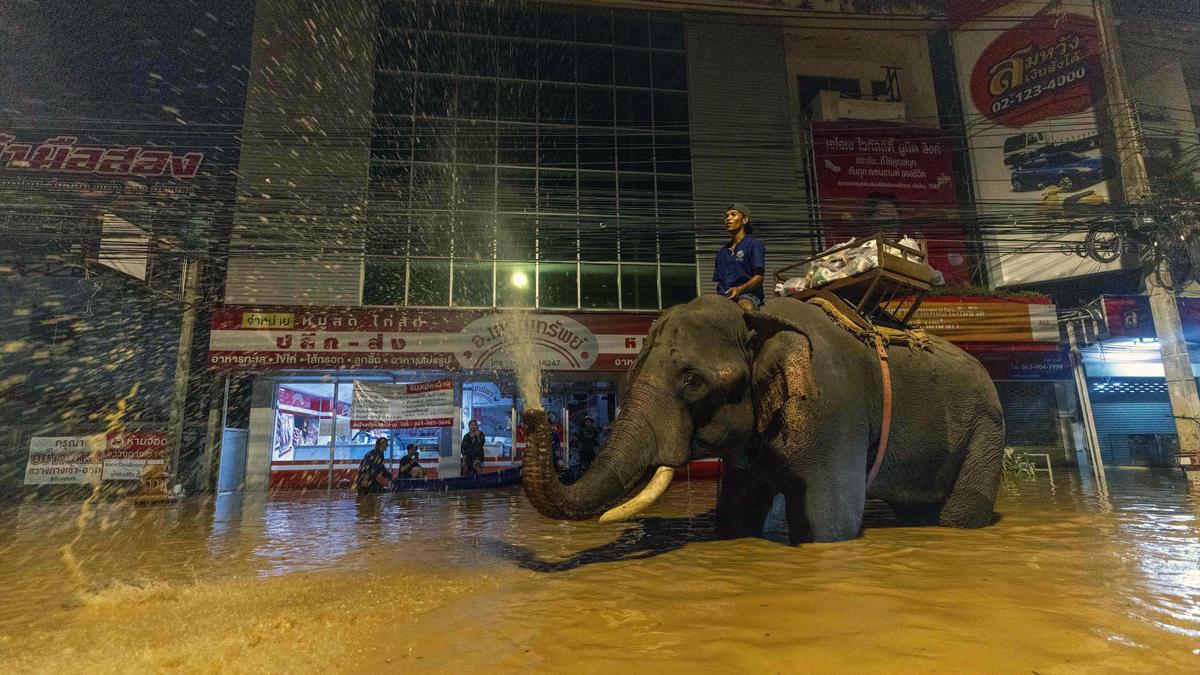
(1181, 382)
(183, 363)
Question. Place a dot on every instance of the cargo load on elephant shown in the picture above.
(881, 280)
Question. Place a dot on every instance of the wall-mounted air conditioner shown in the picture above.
(831, 106)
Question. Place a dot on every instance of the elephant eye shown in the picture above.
(692, 381)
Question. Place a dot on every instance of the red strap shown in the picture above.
(886, 426)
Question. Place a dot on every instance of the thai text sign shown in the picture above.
(379, 405)
(876, 175)
(988, 320)
(369, 339)
(127, 454)
(64, 460)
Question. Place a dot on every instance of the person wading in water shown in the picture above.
(371, 468)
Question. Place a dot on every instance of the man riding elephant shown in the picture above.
(793, 401)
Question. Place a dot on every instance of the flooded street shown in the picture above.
(472, 582)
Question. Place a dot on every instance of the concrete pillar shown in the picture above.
(262, 430)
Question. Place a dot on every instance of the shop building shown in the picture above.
(433, 164)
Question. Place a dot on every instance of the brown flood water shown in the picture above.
(1065, 582)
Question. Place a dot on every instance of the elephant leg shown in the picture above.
(974, 493)
(743, 503)
(826, 510)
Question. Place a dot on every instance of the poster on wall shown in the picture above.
(379, 405)
(62, 460)
(128, 453)
(875, 175)
(1031, 74)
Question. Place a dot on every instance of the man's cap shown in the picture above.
(740, 208)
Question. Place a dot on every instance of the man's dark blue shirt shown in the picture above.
(735, 267)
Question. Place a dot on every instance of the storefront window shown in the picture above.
(598, 286)
(557, 285)
(472, 284)
(639, 287)
(384, 283)
(430, 282)
(515, 284)
(678, 284)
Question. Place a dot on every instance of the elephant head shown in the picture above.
(688, 396)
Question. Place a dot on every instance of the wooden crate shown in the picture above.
(888, 294)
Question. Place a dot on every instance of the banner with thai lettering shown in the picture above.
(1031, 74)
(297, 338)
(128, 454)
(989, 320)
(380, 405)
(878, 175)
(59, 460)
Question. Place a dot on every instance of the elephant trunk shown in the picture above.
(638, 441)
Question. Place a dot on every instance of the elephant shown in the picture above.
(793, 404)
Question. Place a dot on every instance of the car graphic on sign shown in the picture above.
(1068, 170)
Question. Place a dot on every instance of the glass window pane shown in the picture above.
(433, 140)
(598, 286)
(633, 108)
(383, 283)
(393, 94)
(556, 285)
(639, 287)
(396, 50)
(431, 234)
(556, 62)
(595, 25)
(556, 191)
(516, 237)
(597, 239)
(595, 65)
(477, 142)
(678, 284)
(597, 149)
(672, 153)
(518, 101)
(476, 187)
(666, 33)
(630, 28)
(474, 236)
(435, 96)
(638, 240)
(472, 284)
(518, 59)
(597, 193)
(632, 67)
(670, 111)
(596, 106)
(635, 151)
(477, 99)
(557, 23)
(517, 190)
(637, 196)
(431, 186)
(669, 71)
(556, 104)
(479, 56)
(517, 144)
(430, 282)
(677, 241)
(556, 238)
(514, 284)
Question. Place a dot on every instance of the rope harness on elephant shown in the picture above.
(880, 338)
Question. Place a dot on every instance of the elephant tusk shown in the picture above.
(649, 494)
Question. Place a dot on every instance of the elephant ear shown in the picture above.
(782, 369)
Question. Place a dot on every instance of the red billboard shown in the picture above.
(898, 178)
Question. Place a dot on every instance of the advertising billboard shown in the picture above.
(879, 175)
(1031, 75)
